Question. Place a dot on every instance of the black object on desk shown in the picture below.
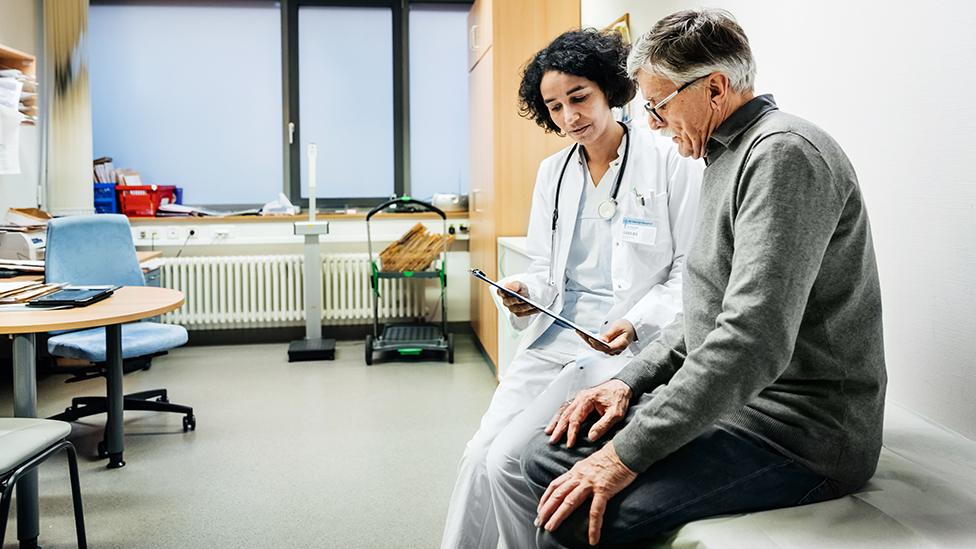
(73, 296)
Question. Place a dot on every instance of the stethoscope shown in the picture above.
(606, 210)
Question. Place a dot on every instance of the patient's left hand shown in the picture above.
(617, 336)
(601, 475)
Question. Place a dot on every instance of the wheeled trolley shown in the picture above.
(410, 338)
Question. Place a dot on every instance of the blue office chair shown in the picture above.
(98, 249)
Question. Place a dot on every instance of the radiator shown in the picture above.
(228, 292)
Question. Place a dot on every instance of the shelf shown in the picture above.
(414, 274)
(25, 63)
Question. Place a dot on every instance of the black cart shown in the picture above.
(410, 338)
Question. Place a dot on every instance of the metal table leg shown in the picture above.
(114, 395)
(25, 405)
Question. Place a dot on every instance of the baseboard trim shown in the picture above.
(484, 354)
(291, 333)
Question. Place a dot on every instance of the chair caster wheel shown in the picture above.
(189, 423)
(101, 450)
(115, 461)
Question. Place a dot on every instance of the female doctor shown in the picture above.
(610, 222)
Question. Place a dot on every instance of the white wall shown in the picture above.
(893, 83)
(19, 20)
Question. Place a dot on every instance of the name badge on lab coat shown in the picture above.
(639, 230)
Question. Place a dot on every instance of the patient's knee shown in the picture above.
(537, 463)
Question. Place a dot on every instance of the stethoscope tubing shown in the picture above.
(559, 184)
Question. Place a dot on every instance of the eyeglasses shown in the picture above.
(652, 110)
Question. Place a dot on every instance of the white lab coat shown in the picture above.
(490, 500)
(646, 278)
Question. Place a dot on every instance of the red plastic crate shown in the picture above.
(144, 200)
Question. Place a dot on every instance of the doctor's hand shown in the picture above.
(601, 475)
(609, 400)
(516, 307)
(617, 336)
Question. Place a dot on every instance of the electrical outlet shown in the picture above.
(221, 232)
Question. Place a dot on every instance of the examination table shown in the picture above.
(922, 495)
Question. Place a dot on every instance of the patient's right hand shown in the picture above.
(516, 307)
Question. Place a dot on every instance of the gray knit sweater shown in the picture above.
(781, 331)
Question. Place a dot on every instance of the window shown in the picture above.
(438, 99)
(345, 91)
(200, 94)
(190, 95)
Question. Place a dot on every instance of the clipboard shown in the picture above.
(558, 319)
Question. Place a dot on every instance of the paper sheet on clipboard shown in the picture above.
(558, 319)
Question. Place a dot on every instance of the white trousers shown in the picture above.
(491, 501)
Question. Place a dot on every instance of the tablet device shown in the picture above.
(559, 320)
(74, 296)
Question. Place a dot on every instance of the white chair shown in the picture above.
(25, 443)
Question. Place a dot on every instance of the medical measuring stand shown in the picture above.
(313, 347)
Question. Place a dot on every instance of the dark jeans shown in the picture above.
(720, 472)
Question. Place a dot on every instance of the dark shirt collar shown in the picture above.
(737, 122)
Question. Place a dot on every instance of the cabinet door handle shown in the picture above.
(474, 200)
(472, 37)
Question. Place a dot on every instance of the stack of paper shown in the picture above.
(18, 91)
(103, 170)
(179, 210)
(22, 292)
(125, 176)
(30, 219)
(22, 265)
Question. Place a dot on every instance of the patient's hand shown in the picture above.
(610, 400)
(617, 336)
(516, 307)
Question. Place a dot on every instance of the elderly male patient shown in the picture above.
(769, 391)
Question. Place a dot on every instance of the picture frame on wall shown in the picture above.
(622, 26)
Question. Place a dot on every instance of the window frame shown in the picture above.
(291, 139)
(401, 96)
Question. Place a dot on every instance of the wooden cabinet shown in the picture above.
(505, 148)
(479, 31)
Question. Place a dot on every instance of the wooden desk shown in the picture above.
(127, 304)
(142, 256)
(146, 256)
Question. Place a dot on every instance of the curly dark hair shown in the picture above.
(592, 54)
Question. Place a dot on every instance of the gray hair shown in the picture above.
(693, 43)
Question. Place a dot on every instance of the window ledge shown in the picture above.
(177, 232)
(193, 220)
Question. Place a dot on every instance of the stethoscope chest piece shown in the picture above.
(607, 209)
